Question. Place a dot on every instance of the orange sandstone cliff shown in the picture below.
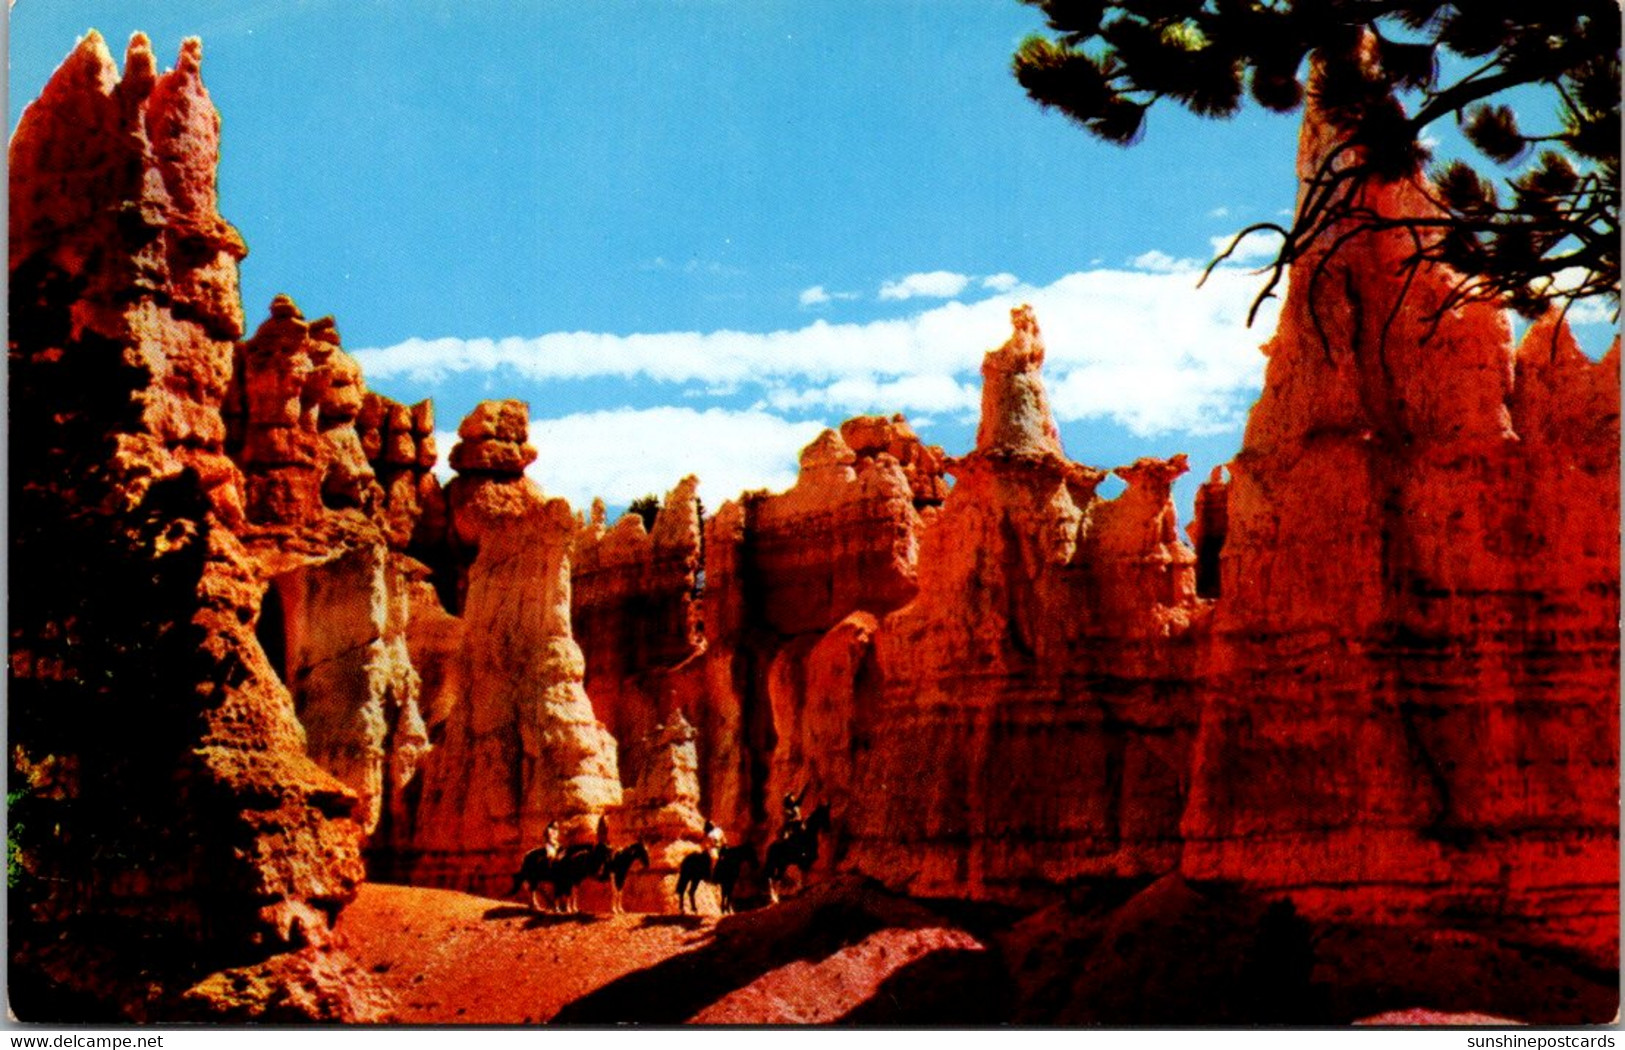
(1381, 684)
(1413, 677)
(172, 822)
(1032, 705)
(520, 745)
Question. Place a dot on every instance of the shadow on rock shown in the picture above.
(542, 919)
(507, 911)
(954, 987)
(1367, 971)
(1180, 953)
(687, 922)
(744, 948)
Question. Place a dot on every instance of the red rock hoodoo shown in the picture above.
(1414, 671)
(520, 745)
(1036, 696)
(168, 798)
(252, 635)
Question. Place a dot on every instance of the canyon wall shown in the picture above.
(635, 612)
(164, 795)
(333, 620)
(793, 584)
(1382, 682)
(1036, 697)
(1412, 701)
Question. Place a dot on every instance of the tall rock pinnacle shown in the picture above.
(1016, 417)
(146, 721)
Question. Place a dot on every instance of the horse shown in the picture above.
(578, 864)
(619, 868)
(534, 870)
(697, 868)
(798, 849)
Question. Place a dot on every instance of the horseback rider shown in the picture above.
(792, 813)
(550, 840)
(714, 840)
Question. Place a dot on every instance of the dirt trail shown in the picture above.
(451, 958)
(847, 952)
(843, 951)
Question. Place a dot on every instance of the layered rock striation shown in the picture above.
(1032, 704)
(791, 579)
(520, 746)
(1413, 699)
(166, 797)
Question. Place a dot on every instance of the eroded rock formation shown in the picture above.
(1036, 696)
(398, 440)
(636, 615)
(1382, 686)
(782, 572)
(172, 802)
(337, 600)
(661, 809)
(1414, 671)
(520, 746)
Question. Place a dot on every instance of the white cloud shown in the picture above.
(1147, 350)
(621, 454)
(1151, 352)
(1260, 246)
(1220, 212)
(1155, 261)
(938, 284)
(1000, 282)
(867, 394)
(624, 453)
(818, 295)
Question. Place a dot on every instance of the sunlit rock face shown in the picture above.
(146, 722)
(1030, 707)
(335, 613)
(1413, 676)
(784, 573)
(520, 746)
(661, 810)
(1382, 683)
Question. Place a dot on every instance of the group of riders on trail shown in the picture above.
(563, 869)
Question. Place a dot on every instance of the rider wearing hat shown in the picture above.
(792, 813)
(714, 839)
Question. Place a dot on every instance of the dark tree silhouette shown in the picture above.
(1548, 234)
(647, 508)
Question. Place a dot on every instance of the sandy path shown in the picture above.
(451, 958)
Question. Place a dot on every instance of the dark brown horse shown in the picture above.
(532, 873)
(561, 875)
(578, 864)
(798, 849)
(697, 868)
(619, 869)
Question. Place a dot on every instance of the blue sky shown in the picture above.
(691, 234)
